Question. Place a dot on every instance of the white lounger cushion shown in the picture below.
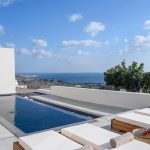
(145, 111)
(134, 145)
(99, 138)
(89, 134)
(135, 119)
(49, 140)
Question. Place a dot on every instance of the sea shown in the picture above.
(74, 78)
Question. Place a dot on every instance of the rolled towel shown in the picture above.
(122, 139)
(86, 147)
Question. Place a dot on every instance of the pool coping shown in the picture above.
(13, 129)
(69, 106)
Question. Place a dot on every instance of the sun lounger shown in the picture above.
(129, 121)
(145, 111)
(49, 140)
(99, 138)
(89, 134)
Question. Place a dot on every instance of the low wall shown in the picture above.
(111, 98)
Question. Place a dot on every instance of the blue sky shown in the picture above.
(75, 35)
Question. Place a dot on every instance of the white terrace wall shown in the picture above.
(111, 98)
(7, 71)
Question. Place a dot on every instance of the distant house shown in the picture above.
(7, 71)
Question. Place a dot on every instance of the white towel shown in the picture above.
(122, 139)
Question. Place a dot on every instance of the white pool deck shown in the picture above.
(7, 138)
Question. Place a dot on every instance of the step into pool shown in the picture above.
(32, 116)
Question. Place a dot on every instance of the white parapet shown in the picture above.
(105, 97)
(7, 71)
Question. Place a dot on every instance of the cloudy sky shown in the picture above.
(75, 35)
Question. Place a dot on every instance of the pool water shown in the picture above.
(31, 116)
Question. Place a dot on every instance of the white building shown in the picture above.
(7, 71)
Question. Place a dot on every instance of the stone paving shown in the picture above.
(6, 139)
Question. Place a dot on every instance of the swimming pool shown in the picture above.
(32, 116)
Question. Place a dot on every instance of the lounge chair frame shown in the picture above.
(117, 125)
(17, 146)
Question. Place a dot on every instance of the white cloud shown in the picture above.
(127, 46)
(121, 52)
(142, 42)
(6, 2)
(107, 42)
(42, 53)
(147, 25)
(93, 28)
(40, 43)
(2, 30)
(36, 53)
(83, 53)
(25, 51)
(75, 17)
(138, 44)
(125, 40)
(124, 51)
(9, 45)
(78, 43)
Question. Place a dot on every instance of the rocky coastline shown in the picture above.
(36, 83)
